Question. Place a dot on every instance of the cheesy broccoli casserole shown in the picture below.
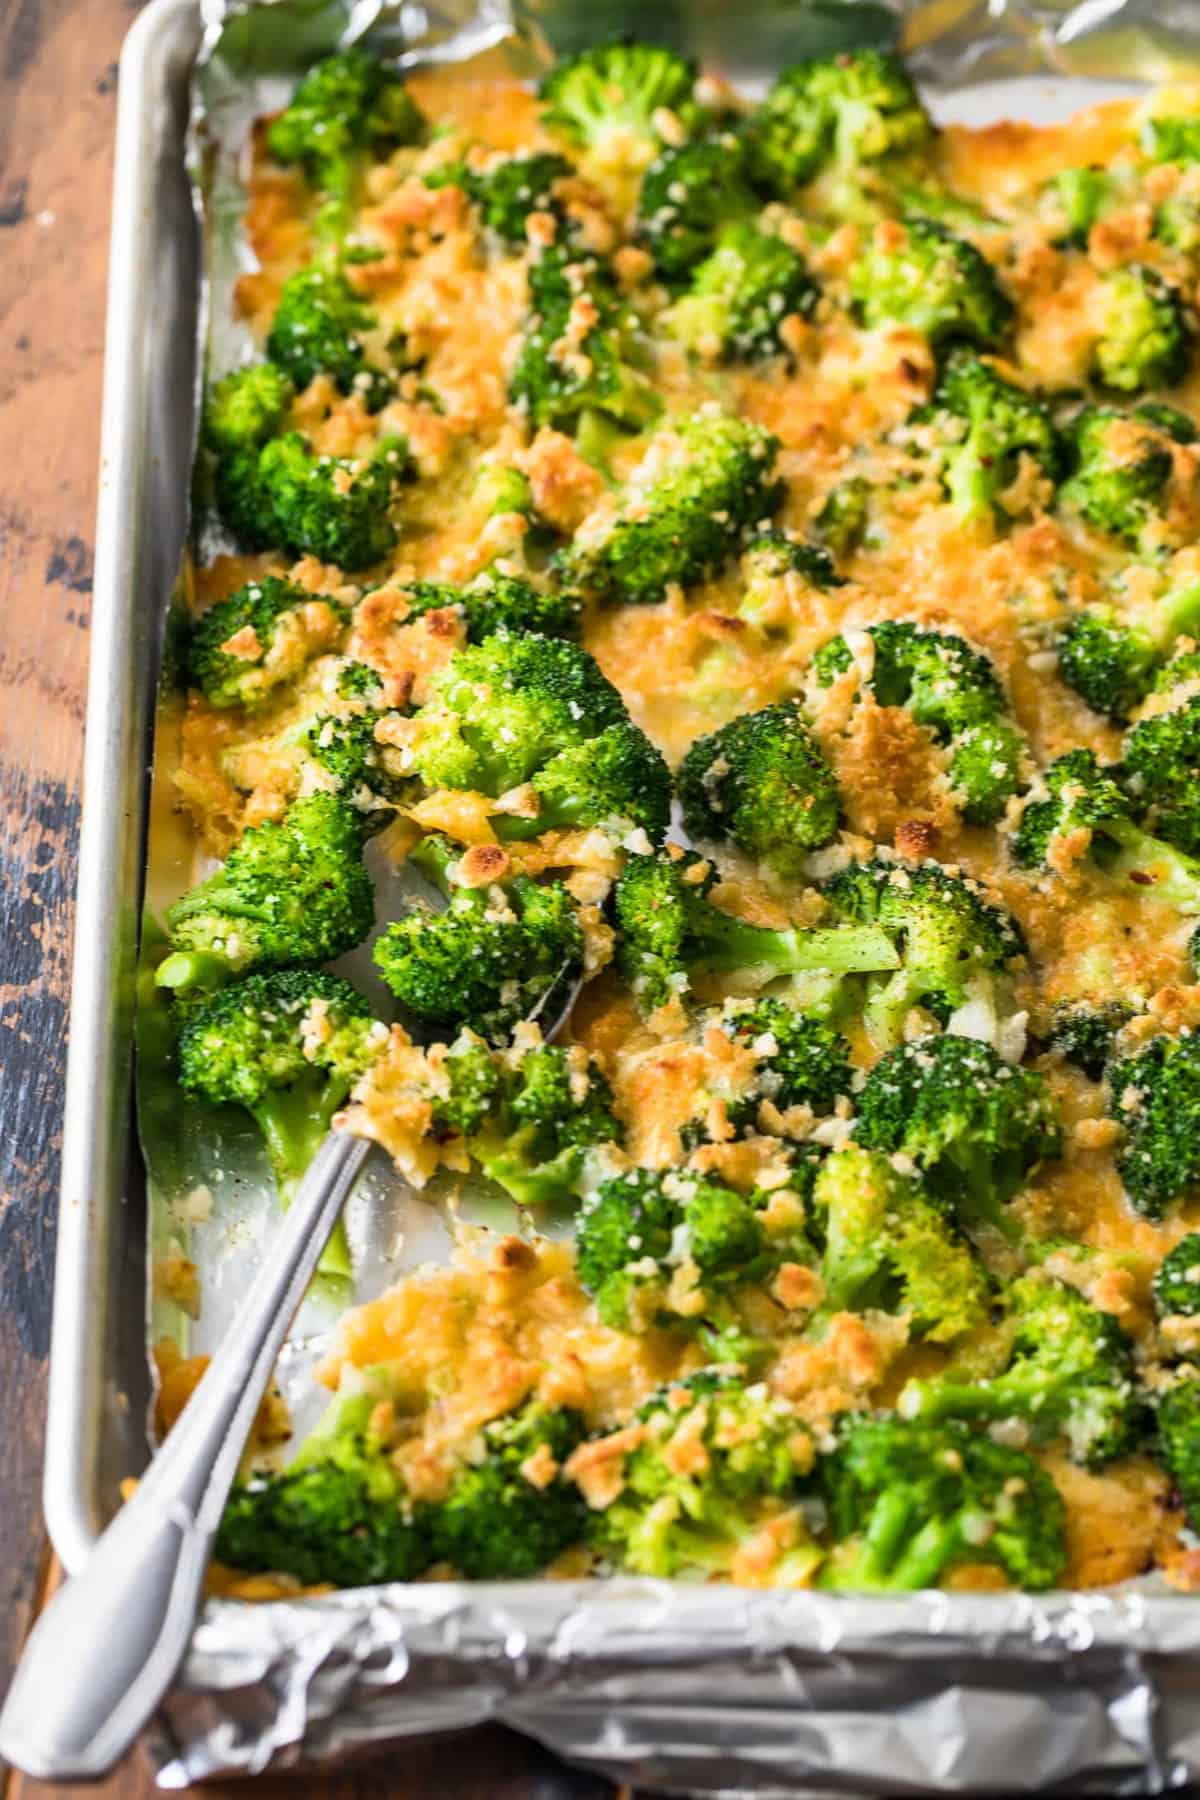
(747, 558)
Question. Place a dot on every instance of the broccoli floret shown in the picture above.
(493, 602)
(799, 1061)
(317, 330)
(741, 295)
(348, 111)
(1161, 763)
(1069, 1375)
(509, 188)
(849, 110)
(1169, 420)
(338, 1514)
(257, 640)
(1171, 140)
(513, 710)
(762, 783)
(606, 98)
(246, 407)
(699, 486)
(1145, 340)
(668, 932)
(954, 946)
(677, 1516)
(288, 1046)
(601, 377)
(888, 1245)
(688, 194)
(909, 1501)
(1073, 200)
(529, 1127)
(500, 1519)
(1111, 659)
(356, 764)
(1179, 1441)
(952, 690)
(844, 517)
(1084, 1033)
(1177, 223)
(294, 891)
(331, 507)
(934, 282)
(973, 1125)
(490, 959)
(1177, 1280)
(1076, 793)
(660, 1247)
(986, 432)
(359, 681)
(1155, 1097)
(777, 571)
(1121, 470)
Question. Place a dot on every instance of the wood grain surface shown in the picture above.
(58, 82)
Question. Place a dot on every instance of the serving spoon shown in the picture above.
(105, 1650)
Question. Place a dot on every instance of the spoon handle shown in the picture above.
(106, 1648)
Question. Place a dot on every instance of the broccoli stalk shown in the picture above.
(1070, 1375)
(288, 1046)
(668, 933)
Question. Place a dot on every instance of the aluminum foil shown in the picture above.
(673, 1687)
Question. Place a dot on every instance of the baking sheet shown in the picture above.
(708, 1690)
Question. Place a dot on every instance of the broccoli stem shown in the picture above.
(1028, 1393)
(433, 857)
(894, 1558)
(294, 1122)
(192, 971)
(729, 943)
(532, 1185)
(1154, 868)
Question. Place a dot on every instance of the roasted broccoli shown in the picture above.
(493, 957)
(318, 330)
(934, 282)
(294, 891)
(348, 111)
(1121, 468)
(953, 691)
(1145, 339)
(1178, 1438)
(1111, 656)
(246, 407)
(493, 601)
(664, 1247)
(687, 196)
(908, 1502)
(740, 296)
(288, 1046)
(508, 188)
(888, 1245)
(1168, 140)
(355, 764)
(1155, 1097)
(608, 99)
(985, 436)
(955, 947)
(668, 931)
(677, 1515)
(516, 710)
(528, 1117)
(339, 1513)
(798, 1061)
(574, 300)
(762, 783)
(1068, 1374)
(1073, 200)
(1177, 1280)
(257, 640)
(849, 110)
(1076, 794)
(1084, 1032)
(844, 519)
(1161, 759)
(971, 1123)
(335, 508)
(509, 1512)
(701, 484)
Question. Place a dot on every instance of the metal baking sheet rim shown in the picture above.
(696, 1689)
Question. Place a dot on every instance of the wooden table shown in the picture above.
(58, 81)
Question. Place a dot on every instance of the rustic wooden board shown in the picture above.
(57, 90)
